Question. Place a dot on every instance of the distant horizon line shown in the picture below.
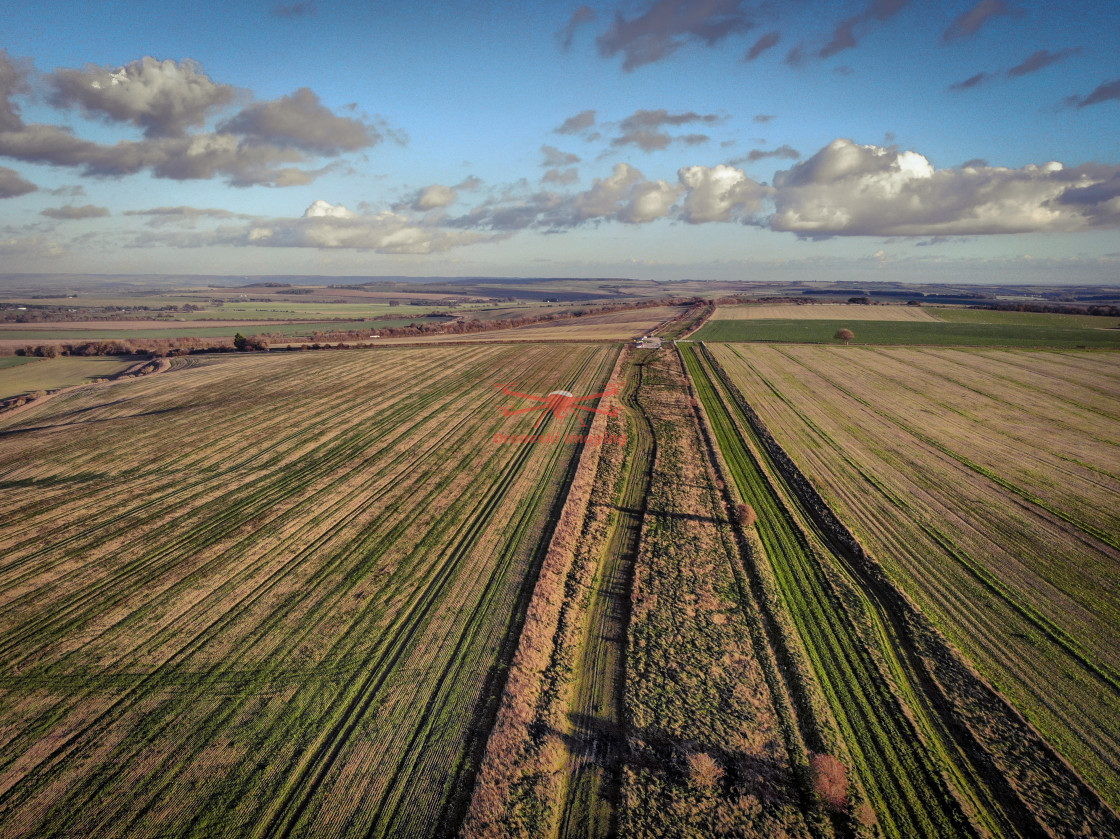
(351, 279)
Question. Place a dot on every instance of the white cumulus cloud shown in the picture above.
(324, 209)
(719, 193)
(847, 189)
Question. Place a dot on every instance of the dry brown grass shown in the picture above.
(707, 754)
(830, 781)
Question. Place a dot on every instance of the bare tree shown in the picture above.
(746, 514)
(844, 335)
(703, 771)
(830, 780)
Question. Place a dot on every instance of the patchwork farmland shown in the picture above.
(802, 589)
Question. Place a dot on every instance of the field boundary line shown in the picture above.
(8, 410)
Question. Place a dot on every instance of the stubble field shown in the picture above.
(824, 311)
(988, 485)
(264, 596)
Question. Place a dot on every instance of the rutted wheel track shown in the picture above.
(590, 805)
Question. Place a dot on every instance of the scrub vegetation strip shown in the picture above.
(705, 750)
(522, 779)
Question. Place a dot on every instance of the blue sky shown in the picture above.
(888, 139)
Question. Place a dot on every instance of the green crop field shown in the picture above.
(994, 333)
(269, 595)
(955, 314)
(988, 484)
(895, 325)
(51, 373)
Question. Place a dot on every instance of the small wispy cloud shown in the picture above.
(553, 157)
(577, 123)
(645, 129)
(667, 25)
(72, 213)
(764, 43)
(783, 151)
(290, 10)
(971, 82)
(12, 184)
(1104, 92)
(968, 23)
(844, 35)
(1040, 59)
(581, 16)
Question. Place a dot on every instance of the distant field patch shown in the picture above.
(910, 333)
(77, 329)
(62, 332)
(613, 326)
(955, 315)
(50, 373)
(824, 311)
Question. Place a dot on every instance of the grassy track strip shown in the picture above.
(594, 765)
(705, 744)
